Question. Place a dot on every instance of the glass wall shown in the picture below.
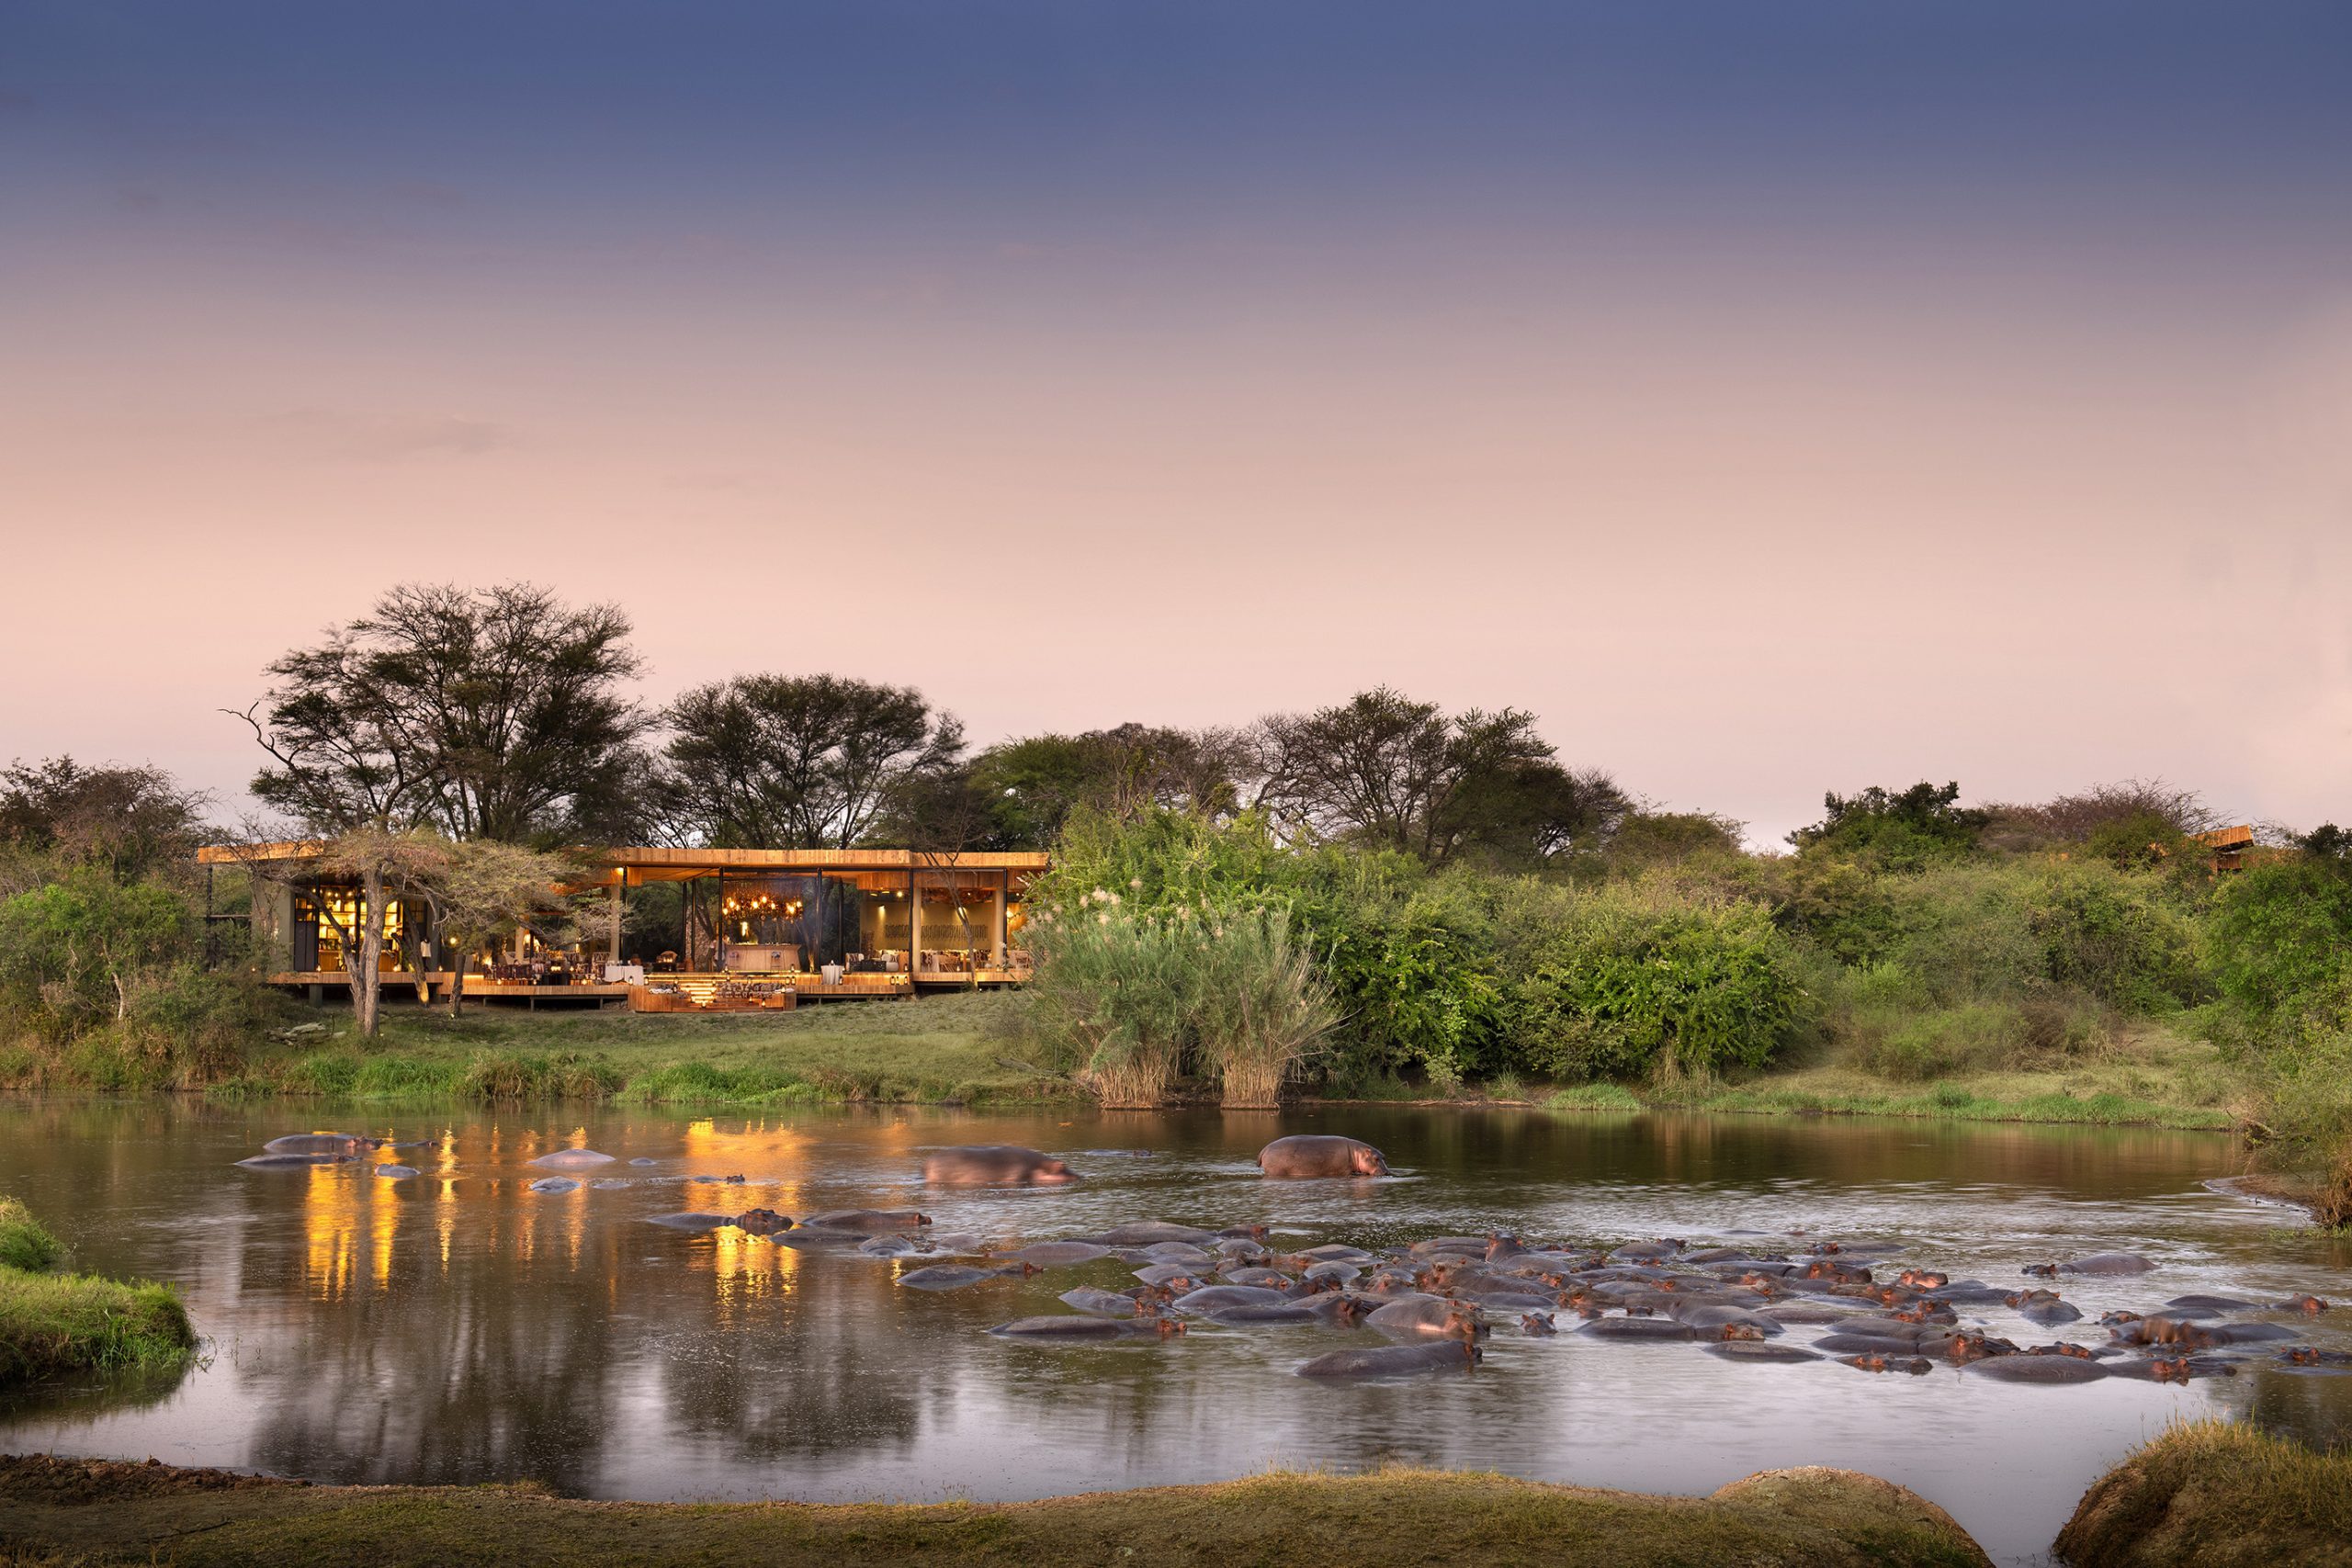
(962, 914)
(322, 916)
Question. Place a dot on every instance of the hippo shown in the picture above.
(762, 1222)
(1392, 1361)
(642, 1159)
(2203, 1303)
(292, 1162)
(1314, 1155)
(572, 1159)
(895, 1246)
(1098, 1301)
(1334, 1253)
(1182, 1252)
(2107, 1263)
(1272, 1279)
(2044, 1307)
(1917, 1366)
(1761, 1350)
(1415, 1312)
(2034, 1368)
(339, 1145)
(867, 1222)
(1867, 1345)
(947, 1276)
(1088, 1329)
(1638, 1328)
(994, 1165)
(554, 1184)
(717, 1181)
(1220, 1298)
(1708, 1318)
(1538, 1326)
(691, 1222)
(396, 1172)
(1060, 1254)
(1175, 1276)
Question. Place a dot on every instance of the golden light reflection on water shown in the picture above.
(330, 1230)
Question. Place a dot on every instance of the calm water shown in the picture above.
(458, 1328)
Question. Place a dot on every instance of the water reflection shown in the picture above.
(458, 1328)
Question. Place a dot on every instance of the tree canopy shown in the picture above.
(798, 762)
(131, 822)
(493, 713)
(1386, 772)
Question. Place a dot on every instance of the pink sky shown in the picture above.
(1748, 499)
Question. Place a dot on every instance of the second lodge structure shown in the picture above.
(685, 928)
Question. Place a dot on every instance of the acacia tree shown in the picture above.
(475, 888)
(511, 700)
(131, 822)
(492, 713)
(798, 762)
(1388, 772)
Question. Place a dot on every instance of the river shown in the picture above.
(458, 1328)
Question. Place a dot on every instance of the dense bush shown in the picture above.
(1631, 980)
(72, 952)
(2280, 940)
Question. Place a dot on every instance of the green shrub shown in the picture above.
(1629, 980)
(72, 952)
(2281, 939)
(2116, 937)
(519, 1076)
(1261, 1008)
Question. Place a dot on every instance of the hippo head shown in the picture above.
(1367, 1161)
(1462, 1323)
(1167, 1326)
(1053, 1171)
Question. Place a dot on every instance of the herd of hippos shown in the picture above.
(1434, 1300)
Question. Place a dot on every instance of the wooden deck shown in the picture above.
(700, 991)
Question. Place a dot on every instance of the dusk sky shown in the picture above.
(1773, 397)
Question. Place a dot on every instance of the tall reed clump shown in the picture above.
(1113, 993)
(1263, 1008)
(1132, 1002)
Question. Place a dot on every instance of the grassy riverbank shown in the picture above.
(95, 1513)
(53, 1322)
(939, 1049)
(2152, 1079)
(973, 1049)
(2216, 1494)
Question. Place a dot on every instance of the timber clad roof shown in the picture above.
(688, 860)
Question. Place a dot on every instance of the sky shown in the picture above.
(1773, 397)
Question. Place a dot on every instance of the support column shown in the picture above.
(914, 925)
(620, 881)
(996, 927)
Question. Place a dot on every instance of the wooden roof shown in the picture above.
(662, 865)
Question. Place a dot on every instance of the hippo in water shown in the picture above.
(290, 1162)
(2107, 1263)
(328, 1146)
(1391, 1360)
(572, 1159)
(994, 1165)
(396, 1172)
(868, 1222)
(1313, 1155)
(1143, 1326)
(551, 1184)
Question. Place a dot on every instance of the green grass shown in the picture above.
(962, 1048)
(2215, 1492)
(2152, 1079)
(69, 1323)
(94, 1512)
(24, 1244)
